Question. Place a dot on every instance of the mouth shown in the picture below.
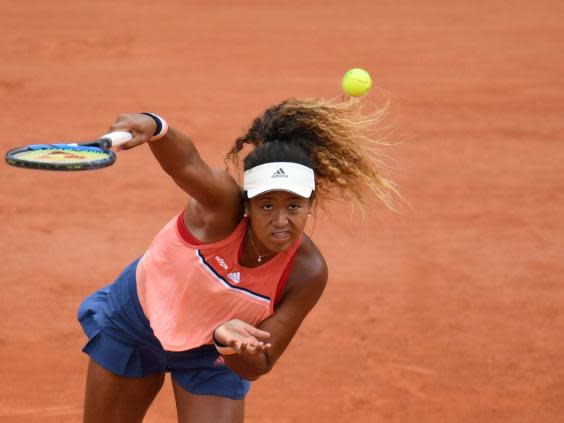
(281, 235)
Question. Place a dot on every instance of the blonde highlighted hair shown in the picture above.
(337, 137)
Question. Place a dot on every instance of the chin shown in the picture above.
(280, 245)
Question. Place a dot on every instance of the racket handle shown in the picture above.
(118, 138)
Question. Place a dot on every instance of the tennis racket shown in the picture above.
(70, 156)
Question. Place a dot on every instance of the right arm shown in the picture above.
(259, 348)
(216, 202)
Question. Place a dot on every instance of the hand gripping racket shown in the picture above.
(71, 156)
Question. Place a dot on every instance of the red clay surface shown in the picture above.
(450, 312)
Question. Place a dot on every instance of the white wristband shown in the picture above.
(162, 126)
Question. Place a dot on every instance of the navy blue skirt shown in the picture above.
(120, 339)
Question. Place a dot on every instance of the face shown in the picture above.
(277, 219)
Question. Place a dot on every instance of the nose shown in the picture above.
(280, 218)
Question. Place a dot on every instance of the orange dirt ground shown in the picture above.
(452, 311)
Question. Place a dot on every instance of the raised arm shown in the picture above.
(217, 200)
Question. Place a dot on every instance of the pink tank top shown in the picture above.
(187, 288)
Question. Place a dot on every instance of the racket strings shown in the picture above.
(64, 147)
(54, 154)
(69, 156)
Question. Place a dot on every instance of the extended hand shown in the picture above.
(244, 338)
(141, 126)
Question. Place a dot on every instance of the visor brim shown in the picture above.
(300, 191)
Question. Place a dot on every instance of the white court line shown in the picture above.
(7, 411)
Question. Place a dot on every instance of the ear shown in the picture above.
(312, 205)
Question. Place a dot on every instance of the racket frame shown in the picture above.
(105, 144)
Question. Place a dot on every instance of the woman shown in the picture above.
(224, 286)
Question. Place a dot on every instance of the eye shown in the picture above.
(266, 206)
(294, 206)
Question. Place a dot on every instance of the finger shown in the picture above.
(127, 146)
(142, 127)
(122, 124)
(242, 348)
(254, 349)
(131, 144)
(138, 139)
(117, 127)
(260, 334)
(256, 344)
(250, 339)
(264, 347)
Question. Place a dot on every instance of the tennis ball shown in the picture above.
(356, 82)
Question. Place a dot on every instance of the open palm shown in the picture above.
(241, 336)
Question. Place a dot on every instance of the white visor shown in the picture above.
(279, 176)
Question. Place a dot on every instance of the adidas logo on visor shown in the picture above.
(279, 174)
(284, 176)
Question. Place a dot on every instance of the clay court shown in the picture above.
(451, 311)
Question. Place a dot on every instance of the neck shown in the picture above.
(257, 255)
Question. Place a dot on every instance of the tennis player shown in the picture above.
(224, 286)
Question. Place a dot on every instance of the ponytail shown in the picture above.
(332, 137)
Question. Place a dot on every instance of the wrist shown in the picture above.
(161, 126)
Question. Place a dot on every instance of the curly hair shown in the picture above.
(334, 135)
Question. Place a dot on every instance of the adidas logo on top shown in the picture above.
(234, 276)
(221, 262)
(279, 174)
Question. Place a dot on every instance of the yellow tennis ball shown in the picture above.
(356, 82)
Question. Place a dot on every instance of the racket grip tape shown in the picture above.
(117, 138)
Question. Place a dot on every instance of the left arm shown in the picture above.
(257, 352)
